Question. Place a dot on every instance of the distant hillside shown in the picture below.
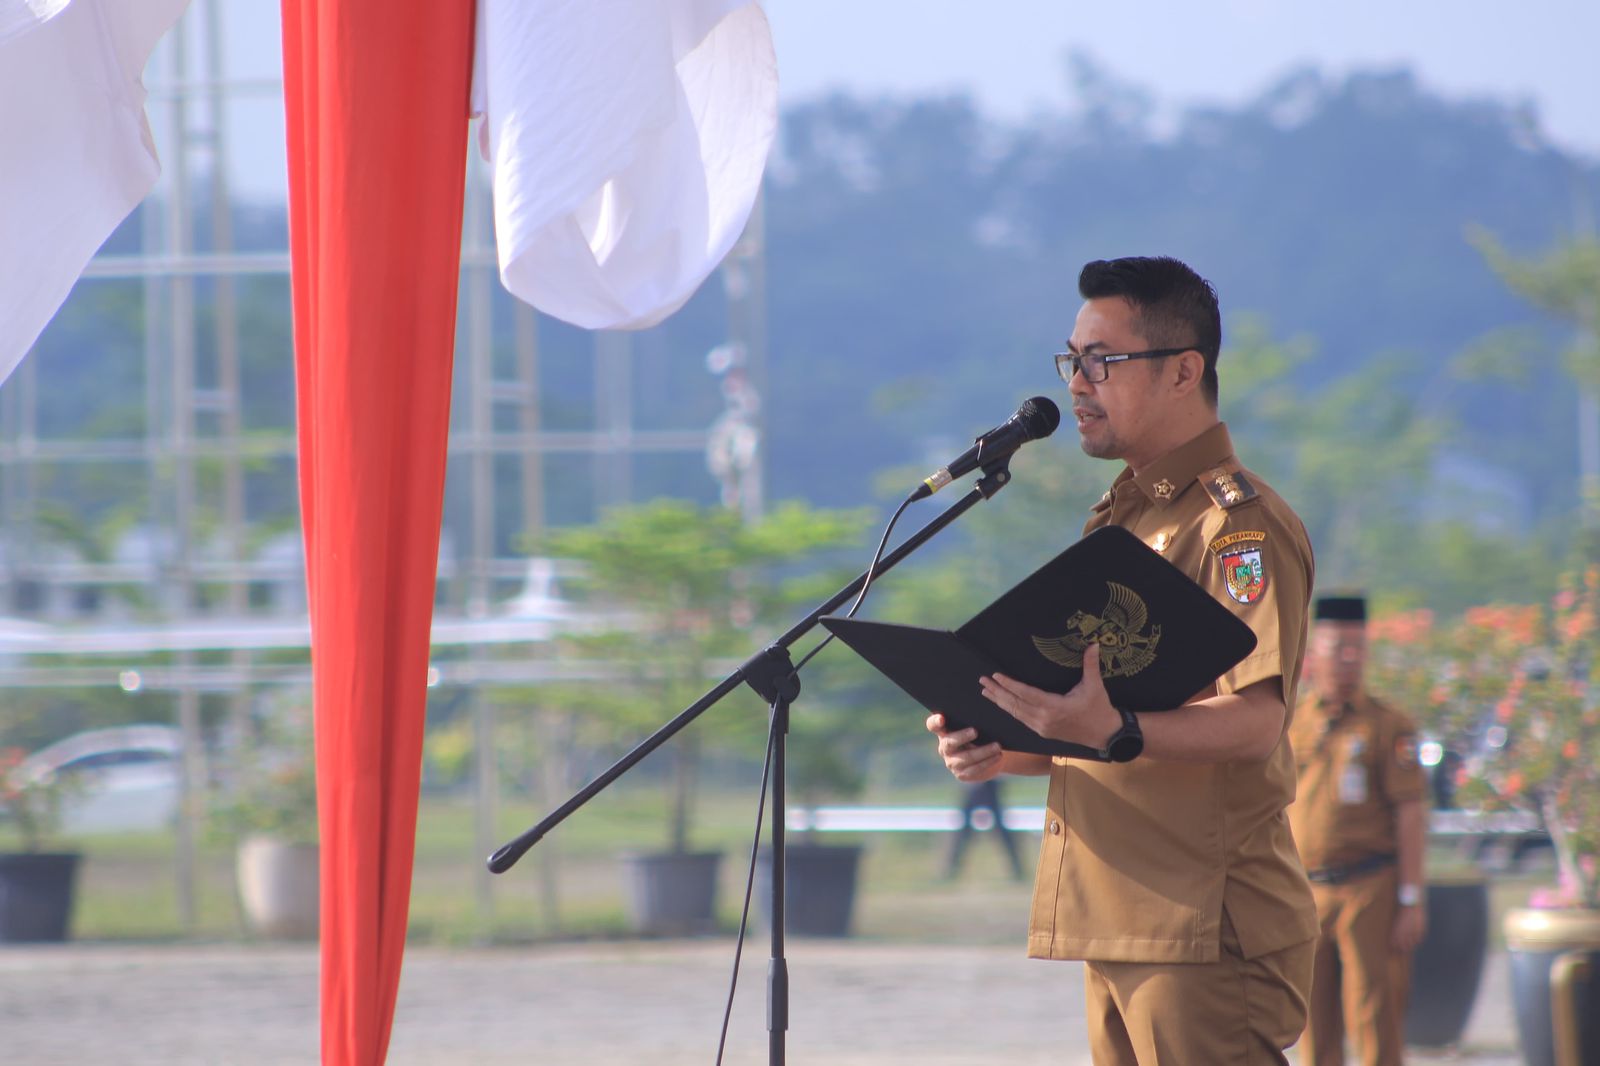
(922, 263)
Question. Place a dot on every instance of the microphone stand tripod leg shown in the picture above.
(777, 965)
(772, 675)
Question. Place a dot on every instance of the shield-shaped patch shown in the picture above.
(1245, 573)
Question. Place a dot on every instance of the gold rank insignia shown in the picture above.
(1228, 488)
(1124, 648)
(1161, 541)
(1163, 489)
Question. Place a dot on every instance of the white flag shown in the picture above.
(628, 139)
(75, 149)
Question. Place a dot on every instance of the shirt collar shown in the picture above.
(1169, 477)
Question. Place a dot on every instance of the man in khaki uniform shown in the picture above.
(1359, 822)
(1174, 874)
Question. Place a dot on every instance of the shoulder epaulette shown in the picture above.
(1102, 503)
(1228, 486)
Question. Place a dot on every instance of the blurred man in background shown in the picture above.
(1359, 820)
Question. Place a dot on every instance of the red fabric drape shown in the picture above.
(376, 95)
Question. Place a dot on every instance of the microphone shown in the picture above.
(1036, 418)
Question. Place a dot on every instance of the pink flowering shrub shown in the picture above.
(1526, 679)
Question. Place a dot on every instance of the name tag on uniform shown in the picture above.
(1353, 778)
(1353, 785)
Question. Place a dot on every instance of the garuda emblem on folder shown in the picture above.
(1125, 646)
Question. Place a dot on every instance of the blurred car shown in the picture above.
(1508, 842)
(122, 779)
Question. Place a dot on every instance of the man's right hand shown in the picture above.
(968, 762)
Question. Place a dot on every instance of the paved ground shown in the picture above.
(852, 1004)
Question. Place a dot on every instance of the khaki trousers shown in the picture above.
(1359, 984)
(1235, 1011)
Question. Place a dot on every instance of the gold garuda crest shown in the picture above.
(1125, 648)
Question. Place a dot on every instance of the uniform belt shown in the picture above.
(1338, 875)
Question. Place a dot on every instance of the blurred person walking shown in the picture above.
(981, 803)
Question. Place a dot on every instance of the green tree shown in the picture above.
(1564, 282)
(1354, 457)
(690, 587)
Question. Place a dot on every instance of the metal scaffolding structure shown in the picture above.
(196, 559)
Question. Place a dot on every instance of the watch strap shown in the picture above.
(1129, 728)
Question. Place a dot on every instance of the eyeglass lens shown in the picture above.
(1091, 366)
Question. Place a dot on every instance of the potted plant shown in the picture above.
(37, 882)
(271, 816)
(847, 711)
(1535, 673)
(820, 878)
(687, 587)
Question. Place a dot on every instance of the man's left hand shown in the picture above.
(1082, 715)
(1410, 925)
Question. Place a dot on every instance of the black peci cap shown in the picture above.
(1341, 609)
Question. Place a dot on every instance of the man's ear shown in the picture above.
(1188, 370)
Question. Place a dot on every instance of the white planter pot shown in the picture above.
(278, 888)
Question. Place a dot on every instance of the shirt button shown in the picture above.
(1055, 827)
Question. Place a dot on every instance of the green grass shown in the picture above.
(133, 895)
(571, 886)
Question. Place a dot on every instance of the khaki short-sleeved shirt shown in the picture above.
(1140, 859)
(1355, 767)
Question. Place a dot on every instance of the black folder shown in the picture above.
(1163, 639)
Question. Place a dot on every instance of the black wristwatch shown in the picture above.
(1127, 742)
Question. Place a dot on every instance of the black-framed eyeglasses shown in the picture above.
(1096, 367)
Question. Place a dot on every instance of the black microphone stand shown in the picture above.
(771, 673)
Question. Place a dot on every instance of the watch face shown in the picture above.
(1126, 743)
(1125, 747)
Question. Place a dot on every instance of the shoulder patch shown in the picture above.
(1405, 752)
(1244, 571)
(1228, 487)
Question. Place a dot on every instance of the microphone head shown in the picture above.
(1038, 417)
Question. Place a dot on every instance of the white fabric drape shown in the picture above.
(627, 139)
(75, 149)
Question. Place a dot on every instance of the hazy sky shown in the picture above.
(1009, 54)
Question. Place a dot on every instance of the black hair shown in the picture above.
(1173, 306)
